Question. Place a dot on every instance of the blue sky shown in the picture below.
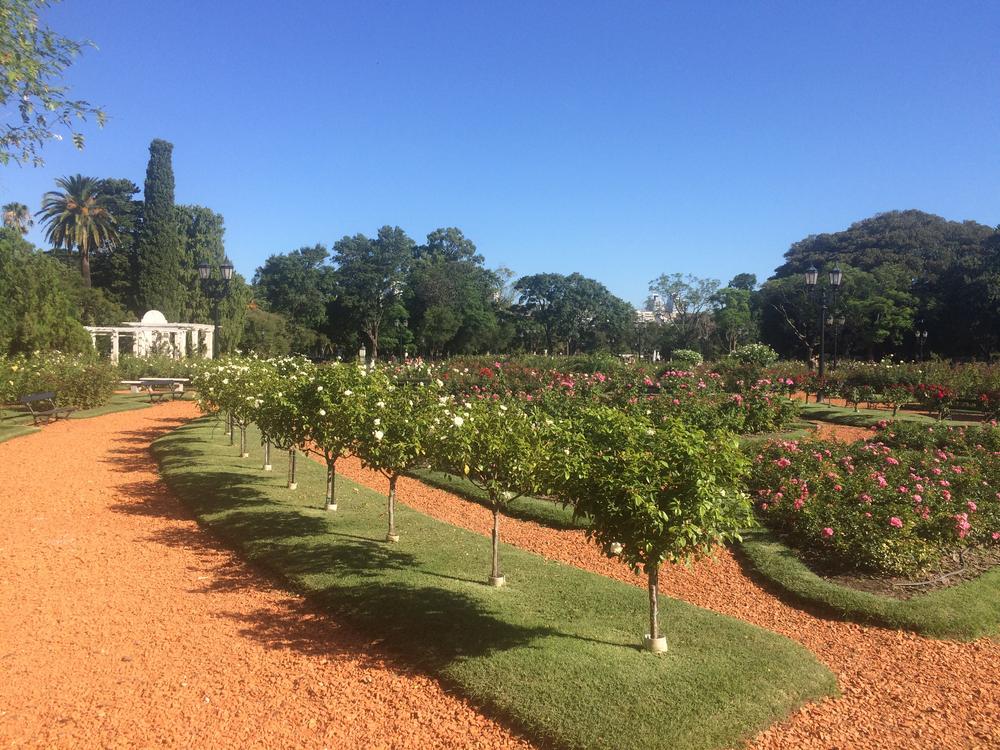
(621, 140)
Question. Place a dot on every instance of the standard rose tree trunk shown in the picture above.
(654, 641)
(496, 577)
(267, 455)
(392, 536)
(292, 484)
(244, 453)
(331, 484)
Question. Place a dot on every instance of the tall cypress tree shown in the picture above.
(158, 250)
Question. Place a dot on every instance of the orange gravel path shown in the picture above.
(844, 433)
(899, 690)
(122, 625)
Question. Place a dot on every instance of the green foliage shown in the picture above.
(665, 492)
(78, 217)
(158, 248)
(870, 507)
(553, 658)
(265, 333)
(573, 313)
(80, 381)
(37, 310)
(370, 277)
(131, 367)
(34, 59)
(297, 285)
(691, 301)
(17, 216)
(687, 358)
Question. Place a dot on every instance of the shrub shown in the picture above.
(686, 358)
(80, 381)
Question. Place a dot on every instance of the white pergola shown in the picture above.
(154, 335)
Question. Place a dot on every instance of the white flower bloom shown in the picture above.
(377, 421)
(650, 431)
(348, 392)
(458, 421)
(322, 412)
(379, 434)
(440, 383)
(319, 388)
(380, 405)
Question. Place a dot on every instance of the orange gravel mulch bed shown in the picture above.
(123, 625)
(899, 690)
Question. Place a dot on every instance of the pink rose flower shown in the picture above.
(896, 522)
(827, 532)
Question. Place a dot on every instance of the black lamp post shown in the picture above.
(812, 277)
(921, 340)
(216, 290)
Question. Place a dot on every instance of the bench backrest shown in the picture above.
(32, 397)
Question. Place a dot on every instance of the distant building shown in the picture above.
(656, 311)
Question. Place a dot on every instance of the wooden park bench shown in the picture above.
(160, 389)
(43, 407)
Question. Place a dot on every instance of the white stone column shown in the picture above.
(114, 346)
(210, 344)
(93, 338)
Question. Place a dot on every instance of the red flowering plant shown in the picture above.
(875, 508)
(937, 399)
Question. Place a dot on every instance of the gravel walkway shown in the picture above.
(899, 690)
(122, 625)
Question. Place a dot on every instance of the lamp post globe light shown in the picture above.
(216, 291)
(835, 277)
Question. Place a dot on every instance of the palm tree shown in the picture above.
(78, 217)
(17, 216)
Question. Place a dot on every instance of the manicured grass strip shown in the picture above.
(963, 612)
(538, 510)
(118, 402)
(865, 417)
(554, 653)
(10, 430)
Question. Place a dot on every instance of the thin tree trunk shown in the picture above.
(654, 607)
(231, 433)
(331, 484)
(496, 542)
(291, 468)
(392, 536)
(85, 267)
(267, 455)
(229, 425)
(243, 442)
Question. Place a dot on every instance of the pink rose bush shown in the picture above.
(882, 506)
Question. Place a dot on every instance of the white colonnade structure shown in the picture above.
(155, 335)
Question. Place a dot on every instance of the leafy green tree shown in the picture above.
(655, 495)
(498, 446)
(746, 281)
(691, 300)
(34, 59)
(17, 216)
(78, 217)
(265, 333)
(298, 285)
(158, 248)
(451, 299)
(734, 319)
(332, 407)
(576, 313)
(37, 307)
(113, 265)
(392, 435)
(370, 278)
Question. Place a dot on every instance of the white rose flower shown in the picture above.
(322, 412)
(458, 421)
(377, 421)
(348, 392)
(379, 434)
(319, 388)
(380, 405)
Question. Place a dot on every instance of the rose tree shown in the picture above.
(497, 445)
(654, 495)
(279, 416)
(332, 406)
(391, 436)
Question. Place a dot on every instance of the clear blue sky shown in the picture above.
(621, 139)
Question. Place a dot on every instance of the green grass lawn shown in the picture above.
(965, 611)
(554, 653)
(864, 417)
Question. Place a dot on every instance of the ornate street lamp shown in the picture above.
(836, 276)
(921, 340)
(216, 291)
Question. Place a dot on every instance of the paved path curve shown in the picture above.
(123, 625)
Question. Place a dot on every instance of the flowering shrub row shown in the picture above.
(890, 505)
(79, 380)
